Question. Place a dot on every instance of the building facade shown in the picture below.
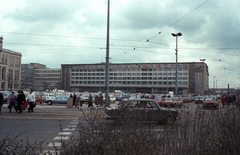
(27, 75)
(137, 77)
(10, 67)
(47, 79)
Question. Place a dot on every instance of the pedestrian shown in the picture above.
(234, 99)
(101, 100)
(97, 99)
(12, 102)
(74, 99)
(31, 100)
(223, 100)
(229, 100)
(90, 100)
(80, 99)
(20, 100)
(1, 101)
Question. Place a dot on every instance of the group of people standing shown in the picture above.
(98, 100)
(18, 101)
(228, 100)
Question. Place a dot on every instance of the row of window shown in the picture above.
(47, 79)
(47, 71)
(129, 78)
(74, 83)
(47, 75)
(124, 66)
(129, 70)
(129, 74)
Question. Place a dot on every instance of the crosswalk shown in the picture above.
(64, 135)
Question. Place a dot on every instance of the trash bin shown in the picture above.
(69, 102)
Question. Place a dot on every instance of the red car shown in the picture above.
(38, 98)
(160, 101)
(210, 102)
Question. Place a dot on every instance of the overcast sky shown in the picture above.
(55, 32)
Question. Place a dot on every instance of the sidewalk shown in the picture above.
(51, 112)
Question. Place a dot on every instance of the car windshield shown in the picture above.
(142, 104)
(209, 99)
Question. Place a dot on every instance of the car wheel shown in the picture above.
(49, 102)
(170, 119)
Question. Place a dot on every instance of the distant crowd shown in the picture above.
(228, 100)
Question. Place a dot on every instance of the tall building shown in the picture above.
(47, 79)
(10, 67)
(137, 77)
(27, 75)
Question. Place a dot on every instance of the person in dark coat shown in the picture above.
(20, 100)
(90, 101)
(97, 99)
(233, 99)
(101, 100)
(74, 99)
(1, 101)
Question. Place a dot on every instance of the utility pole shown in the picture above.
(176, 83)
(107, 59)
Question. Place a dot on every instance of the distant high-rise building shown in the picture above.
(47, 79)
(27, 75)
(137, 77)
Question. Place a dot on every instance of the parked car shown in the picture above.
(177, 102)
(141, 110)
(199, 99)
(5, 95)
(62, 99)
(160, 101)
(210, 102)
(46, 96)
(84, 98)
(38, 98)
(168, 102)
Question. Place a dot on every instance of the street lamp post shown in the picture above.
(214, 85)
(167, 80)
(202, 75)
(176, 83)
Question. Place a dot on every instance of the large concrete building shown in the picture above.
(10, 67)
(137, 77)
(27, 75)
(47, 79)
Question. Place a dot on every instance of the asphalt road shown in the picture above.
(47, 122)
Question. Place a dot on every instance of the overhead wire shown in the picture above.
(176, 21)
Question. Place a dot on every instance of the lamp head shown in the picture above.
(179, 34)
(176, 35)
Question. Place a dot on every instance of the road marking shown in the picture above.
(65, 133)
(54, 144)
(61, 138)
(74, 123)
(72, 126)
(50, 152)
(70, 129)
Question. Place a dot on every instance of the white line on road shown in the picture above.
(61, 138)
(54, 144)
(65, 133)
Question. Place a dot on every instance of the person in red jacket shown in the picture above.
(223, 100)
